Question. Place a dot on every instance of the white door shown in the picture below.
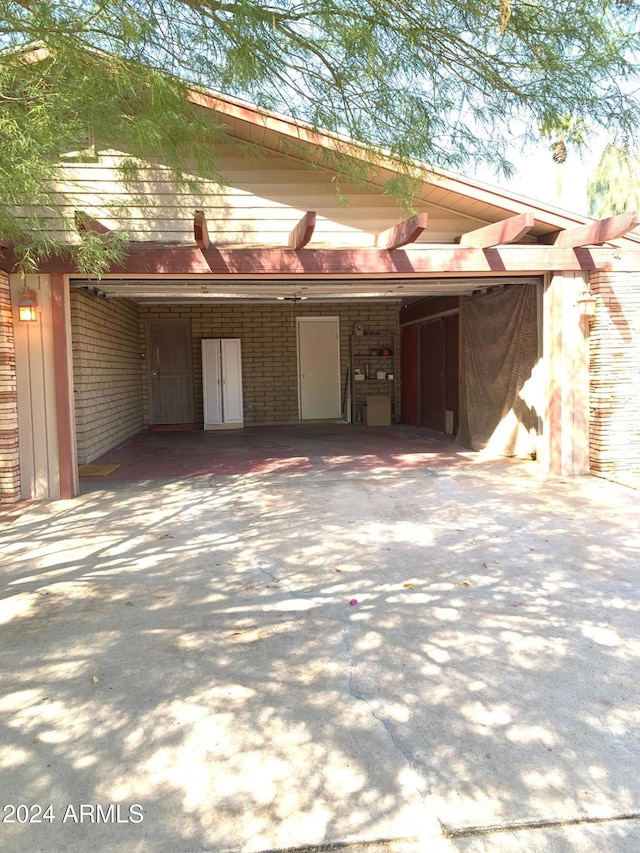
(231, 381)
(211, 381)
(319, 367)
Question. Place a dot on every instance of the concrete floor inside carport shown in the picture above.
(189, 644)
(299, 448)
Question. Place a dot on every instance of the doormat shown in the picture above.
(96, 470)
(170, 427)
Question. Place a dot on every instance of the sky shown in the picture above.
(539, 178)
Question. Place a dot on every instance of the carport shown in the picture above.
(245, 259)
(118, 327)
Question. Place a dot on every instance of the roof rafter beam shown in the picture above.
(403, 233)
(85, 223)
(498, 233)
(303, 231)
(200, 230)
(594, 233)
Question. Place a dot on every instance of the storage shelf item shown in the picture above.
(370, 369)
(377, 410)
(222, 383)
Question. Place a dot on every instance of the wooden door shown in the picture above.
(451, 370)
(410, 375)
(170, 372)
(432, 371)
(319, 367)
(439, 374)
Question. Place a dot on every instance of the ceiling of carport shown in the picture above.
(172, 291)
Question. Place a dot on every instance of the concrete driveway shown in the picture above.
(184, 666)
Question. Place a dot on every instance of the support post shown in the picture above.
(565, 440)
(63, 370)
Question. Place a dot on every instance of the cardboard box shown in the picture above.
(377, 411)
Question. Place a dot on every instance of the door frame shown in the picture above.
(336, 321)
(172, 321)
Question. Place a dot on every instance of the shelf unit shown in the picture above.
(365, 358)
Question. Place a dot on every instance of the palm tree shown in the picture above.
(614, 186)
(563, 132)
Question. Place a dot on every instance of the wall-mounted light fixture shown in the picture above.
(28, 306)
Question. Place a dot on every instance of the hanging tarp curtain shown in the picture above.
(499, 353)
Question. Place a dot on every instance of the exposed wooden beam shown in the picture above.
(303, 231)
(200, 230)
(498, 233)
(526, 259)
(85, 223)
(258, 263)
(403, 233)
(593, 233)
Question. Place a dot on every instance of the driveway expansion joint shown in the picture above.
(527, 825)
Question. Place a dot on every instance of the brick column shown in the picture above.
(615, 377)
(9, 449)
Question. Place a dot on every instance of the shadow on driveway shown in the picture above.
(190, 646)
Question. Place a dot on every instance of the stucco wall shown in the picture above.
(614, 374)
(268, 337)
(106, 371)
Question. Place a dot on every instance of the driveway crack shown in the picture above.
(276, 580)
(406, 753)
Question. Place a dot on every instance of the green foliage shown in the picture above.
(615, 185)
(444, 81)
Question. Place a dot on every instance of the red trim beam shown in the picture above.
(303, 232)
(594, 233)
(200, 230)
(254, 263)
(179, 260)
(498, 233)
(403, 233)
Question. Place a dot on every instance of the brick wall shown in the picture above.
(106, 372)
(614, 388)
(268, 336)
(9, 450)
